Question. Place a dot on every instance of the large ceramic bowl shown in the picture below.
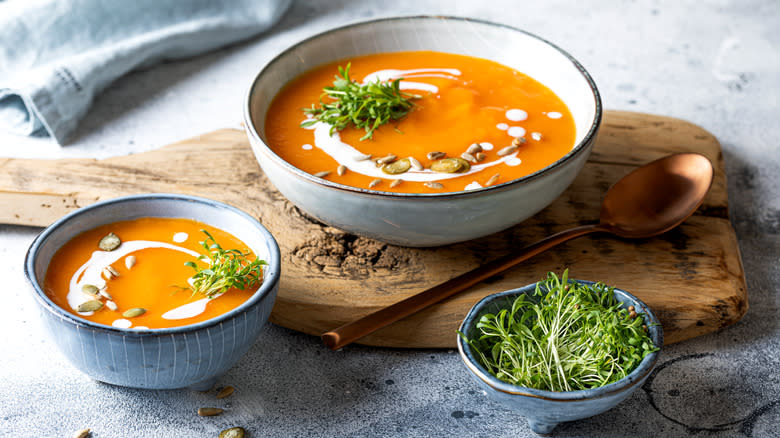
(545, 409)
(438, 218)
(189, 356)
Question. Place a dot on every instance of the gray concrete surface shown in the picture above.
(714, 63)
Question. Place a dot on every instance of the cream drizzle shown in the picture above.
(92, 269)
(345, 153)
(392, 74)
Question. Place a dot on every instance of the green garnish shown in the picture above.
(565, 336)
(226, 269)
(366, 106)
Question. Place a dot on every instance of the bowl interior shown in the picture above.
(213, 213)
(503, 300)
(512, 47)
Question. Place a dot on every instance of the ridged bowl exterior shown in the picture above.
(545, 409)
(189, 356)
(429, 219)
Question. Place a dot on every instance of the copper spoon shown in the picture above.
(647, 202)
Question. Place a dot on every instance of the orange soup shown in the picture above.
(132, 274)
(474, 123)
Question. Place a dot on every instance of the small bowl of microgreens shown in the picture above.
(560, 349)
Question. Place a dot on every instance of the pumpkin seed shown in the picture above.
(374, 183)
(386, 159)
(111, 305)
(518, 141)
(83, 433)
(396, 183)
(209, 412)
(450, 165)
(110, 242)
(474, 148)
(130, 261)
(362, 157)
(436, 155)
(536, 136)
(397, 167)
(233, 432)
(104, 293)
(90, 290)
(341, 170)
(107, 274)
(492, 179)
(507, 150)
(113, 271)
(225, 392)
(416, 165)
(480, 156)
(322, 174)
(433, 185)
(90, 306)
(135, 311)
(468, 157)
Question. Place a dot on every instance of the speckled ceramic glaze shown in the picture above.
(545, 409)
(190, 356)
(438, 218)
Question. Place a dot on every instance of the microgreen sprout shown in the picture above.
(365, 106)
(226, 269)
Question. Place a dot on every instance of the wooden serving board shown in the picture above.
(692, 277)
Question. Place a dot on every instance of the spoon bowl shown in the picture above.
(647, 202)
(656, 197)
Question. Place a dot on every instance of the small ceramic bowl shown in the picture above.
(545, 409)
(428, 219)
(189, 356)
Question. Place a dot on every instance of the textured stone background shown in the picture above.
(714, 63)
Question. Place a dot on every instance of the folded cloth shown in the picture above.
(56, 55)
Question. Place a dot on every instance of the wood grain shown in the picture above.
(692, 277)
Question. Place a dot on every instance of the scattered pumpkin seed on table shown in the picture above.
(225, 392)
(233, 432)
(83, 433)
(110, 242)
(210, 412)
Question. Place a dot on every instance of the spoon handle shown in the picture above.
(355, 330)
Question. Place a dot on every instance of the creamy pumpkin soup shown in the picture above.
(152, 273)
(418, 122)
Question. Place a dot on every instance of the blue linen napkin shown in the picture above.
(56, 55)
